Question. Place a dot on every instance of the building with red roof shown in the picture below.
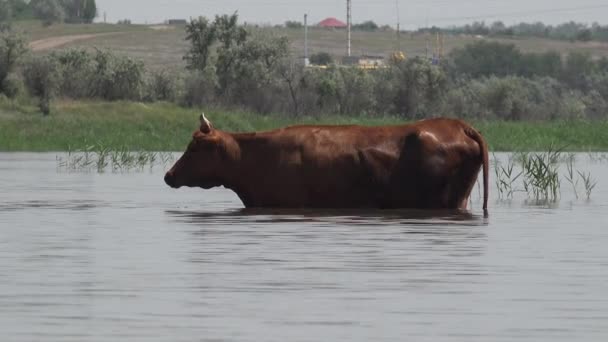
(332, 23)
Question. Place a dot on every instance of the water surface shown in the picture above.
(121, 257)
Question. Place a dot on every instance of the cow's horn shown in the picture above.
(205, 124)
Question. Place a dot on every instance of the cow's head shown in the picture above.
(205, 161)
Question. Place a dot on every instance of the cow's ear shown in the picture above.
(206, 126)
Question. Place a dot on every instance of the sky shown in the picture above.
(411, 14)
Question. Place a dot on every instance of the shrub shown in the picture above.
(162, 86)
(49, 11)
(100, 74)
(42, 80)
(419, 87)
(12, 49)
(77, 68)
(578, 68)
(12, 85)
(6, 11)
(514, 98)
(293, 24)
(485, 59)
(321, 58)
(117, 77)
(366, 26)
(199, 89)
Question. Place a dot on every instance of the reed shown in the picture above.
(571, 177)
(101, 159)
(505, 178)
(588, 182)
(541, 177)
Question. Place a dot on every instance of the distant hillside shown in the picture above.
(164, 45)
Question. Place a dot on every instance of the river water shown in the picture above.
(122, 257)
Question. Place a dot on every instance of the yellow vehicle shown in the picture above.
(398, 56)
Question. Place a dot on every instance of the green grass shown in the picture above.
(167, 127)
(34, 30)
(578, 135)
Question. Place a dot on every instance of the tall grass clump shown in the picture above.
(101, 159)
(505, 178)
(540, 176)
(588, 182)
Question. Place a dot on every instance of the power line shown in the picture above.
(522, 13)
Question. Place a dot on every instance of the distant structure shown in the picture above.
(364, 62)
(348, 26)
(306, 60)
(332, 23)
(177, 22)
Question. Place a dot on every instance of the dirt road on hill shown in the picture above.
(55, 42)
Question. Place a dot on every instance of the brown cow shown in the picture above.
(430, 164)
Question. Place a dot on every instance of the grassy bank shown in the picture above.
(166, 127)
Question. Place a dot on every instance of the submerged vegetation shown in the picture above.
(101, 159)
(539, 176)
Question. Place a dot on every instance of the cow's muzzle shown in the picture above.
(170, 179)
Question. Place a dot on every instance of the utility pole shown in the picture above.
(348, 24)
(398, 26)
(305, 39)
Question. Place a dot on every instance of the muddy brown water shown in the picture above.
(121, 257)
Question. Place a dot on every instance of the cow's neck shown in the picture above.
(250, 154)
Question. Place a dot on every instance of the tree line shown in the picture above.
(49, 11)
(230, 66)
(571, 31)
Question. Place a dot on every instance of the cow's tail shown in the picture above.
(483, 146)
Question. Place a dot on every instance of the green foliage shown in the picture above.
(79, 11)
(20, 9)
(201, 34)
(250, 79)
(540, 64)
(77, 69)
(486, 58)
(368, 25)
(100, 74)
(49, 11)
(541, 176)
(293, 24)
(162, 86)
(12, 49)
(244, 70)
(571, 31)
(419, 87)
(89, 11)
(117, 77)
(11, 86)
(6, 11)
(72, 11)
(578, 67)
(200, 88)
(229, 33)
(168, 127)
(321, 58)
(42, 80)
(513, 98)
